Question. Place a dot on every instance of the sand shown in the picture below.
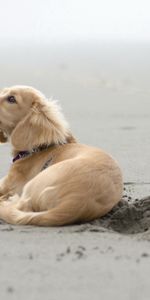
(105, 96)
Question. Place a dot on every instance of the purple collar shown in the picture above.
(23, 154)
(20, 155)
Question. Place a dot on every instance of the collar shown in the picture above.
(23, 154)
(20, 155)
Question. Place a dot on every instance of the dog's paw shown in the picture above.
(4, 197)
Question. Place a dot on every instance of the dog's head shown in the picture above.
(29, 120)
(15, 103)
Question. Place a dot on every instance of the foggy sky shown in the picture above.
(55, 20)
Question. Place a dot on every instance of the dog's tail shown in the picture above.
(63, 214)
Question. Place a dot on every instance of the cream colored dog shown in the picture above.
(53, 180)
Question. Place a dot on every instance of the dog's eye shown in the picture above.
(11, 99)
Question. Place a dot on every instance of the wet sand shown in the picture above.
(105, 96)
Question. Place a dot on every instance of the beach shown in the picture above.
(104, 92)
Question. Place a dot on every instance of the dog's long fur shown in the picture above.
(80, 184)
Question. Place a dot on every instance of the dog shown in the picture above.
(53, 180)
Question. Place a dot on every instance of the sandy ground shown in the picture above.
(106, 99)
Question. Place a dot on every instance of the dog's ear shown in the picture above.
(42, 125)
(3, 137)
